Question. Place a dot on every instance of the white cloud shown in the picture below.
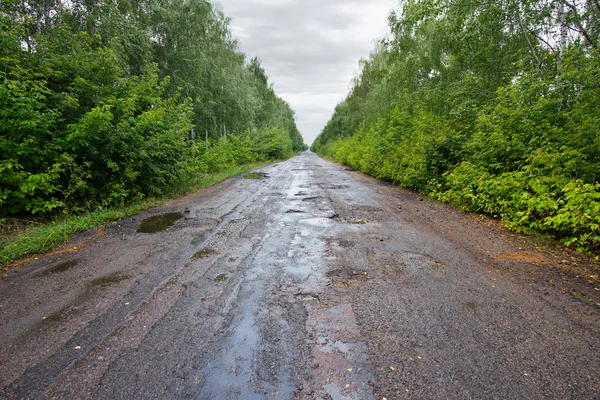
(310, 49)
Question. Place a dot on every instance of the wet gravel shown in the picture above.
(303, 280)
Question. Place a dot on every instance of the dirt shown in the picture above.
(320, 283)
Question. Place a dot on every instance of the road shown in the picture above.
(311, 282)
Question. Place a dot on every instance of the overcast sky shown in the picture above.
(309, 48)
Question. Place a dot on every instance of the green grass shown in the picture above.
(43, 237)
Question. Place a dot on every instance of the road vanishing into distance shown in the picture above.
(308, 282)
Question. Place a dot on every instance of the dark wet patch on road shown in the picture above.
(472, 306)
(108, 280)
(357, 222)
(256, 175)
(204, 253)
(57, 269)
(159, 223)
(312, 198)
(334, 187)
(342, 278)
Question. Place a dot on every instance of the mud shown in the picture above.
(323, 284)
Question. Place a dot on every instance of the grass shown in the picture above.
(22, 239)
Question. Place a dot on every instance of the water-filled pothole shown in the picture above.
(256, 175)
(159, 223)
(62, 267)
(204, 253)
(295, 212)
(108, 280)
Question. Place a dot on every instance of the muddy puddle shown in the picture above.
(159, 223)
(256, 175)
(57, 269)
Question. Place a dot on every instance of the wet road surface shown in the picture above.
(310, 282)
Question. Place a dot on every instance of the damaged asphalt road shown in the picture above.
(302, 281)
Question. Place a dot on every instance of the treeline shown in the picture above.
(104, 102)
(490, 105)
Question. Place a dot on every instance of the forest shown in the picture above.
(493, 106)
(104, 102)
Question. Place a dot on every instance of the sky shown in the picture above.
(310, 49)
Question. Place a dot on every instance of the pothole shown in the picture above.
(62, 267)
(295, 212)
(334, 187)
(108, 280)
(256, 175)
(312, 198)
(221, 278)
(204, 253)
(159, 223)
(357, 222)
(342, 278)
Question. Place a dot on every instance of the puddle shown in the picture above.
(109, 280)
(341, 278)
(159, 223)
(57, 269)
(204, 253)
(334, 187)
(312, 198)
(221, 278)
(256, 175)
(357, 222)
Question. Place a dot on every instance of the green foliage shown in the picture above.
(104, 103)
(470, 103)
